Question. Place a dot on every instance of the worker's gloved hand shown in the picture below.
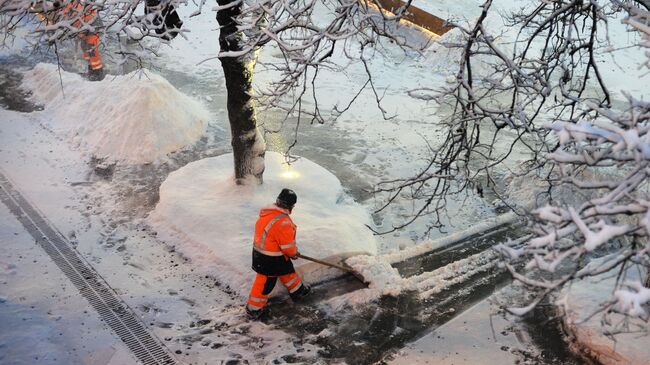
(294, 257)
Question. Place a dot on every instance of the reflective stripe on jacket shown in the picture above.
(275, 233)
(274, 241)
(85, 17)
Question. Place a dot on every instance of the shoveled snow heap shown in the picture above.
(135, 118)
(211, 220)
(614, 337)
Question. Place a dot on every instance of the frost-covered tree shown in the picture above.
(305, 31)
(537, 105)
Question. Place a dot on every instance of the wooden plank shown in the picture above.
(417, 16)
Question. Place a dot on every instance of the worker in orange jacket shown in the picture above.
(83, 16)
(274, 245)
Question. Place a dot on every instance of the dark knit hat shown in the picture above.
(287, 199)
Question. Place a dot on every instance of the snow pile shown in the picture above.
(611, 338)
(211, 220)
(386, 280)
(378, 272)
(136, 118)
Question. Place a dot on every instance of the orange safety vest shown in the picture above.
(85, 16)
(275, 233)
(82, 15)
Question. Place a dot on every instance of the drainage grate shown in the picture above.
(114, 312)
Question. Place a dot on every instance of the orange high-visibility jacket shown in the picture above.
(275, 233)
(85, 16)
(274, 242)
(81, 15)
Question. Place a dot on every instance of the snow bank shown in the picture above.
(211, 220)
(383, 279)
(386, 280)
(135, 118)
(452, 238)
(581, 300)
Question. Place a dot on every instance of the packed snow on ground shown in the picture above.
(385, 280)
(136, 118)
(181, 306)
(43, 319)
(589, 325)
(211, 220)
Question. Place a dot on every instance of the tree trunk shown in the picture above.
(247, 141)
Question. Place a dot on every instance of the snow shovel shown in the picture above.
(342, 268)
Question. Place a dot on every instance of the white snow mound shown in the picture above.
(136, 118)
(606, 336)
(211, 220)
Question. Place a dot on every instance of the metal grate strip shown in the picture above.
(147, 348)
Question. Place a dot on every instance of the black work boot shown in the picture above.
(255, 314)
(299, 294)
(96, 75)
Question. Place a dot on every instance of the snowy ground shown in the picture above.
(103, 208)
(197, 317)
(46, 321)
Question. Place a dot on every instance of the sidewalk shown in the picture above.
(199, 321)
(44, 319)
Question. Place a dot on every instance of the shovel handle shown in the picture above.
(326, 263)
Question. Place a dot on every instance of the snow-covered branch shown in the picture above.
(532, 102)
